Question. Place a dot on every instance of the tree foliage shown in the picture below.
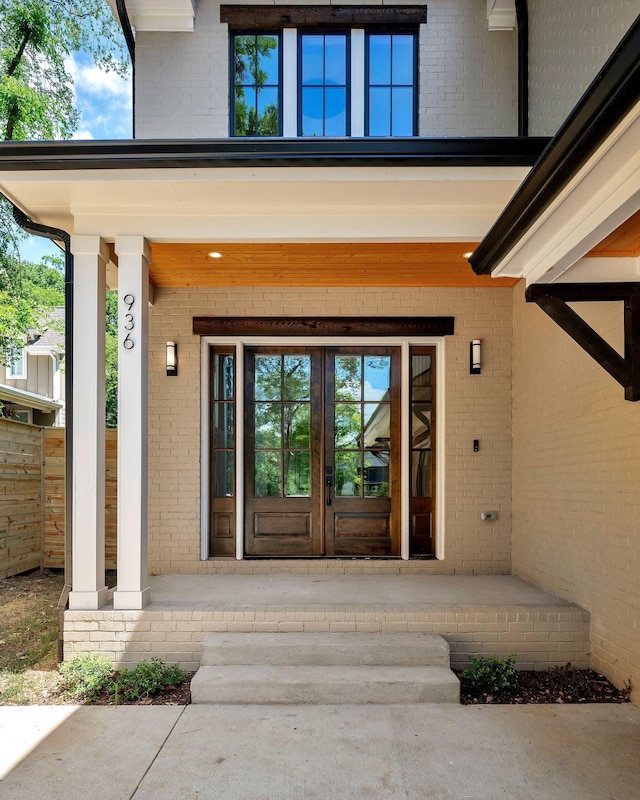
(36, 39)
(37, 101)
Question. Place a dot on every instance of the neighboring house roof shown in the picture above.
(29, 399)
(51, 338)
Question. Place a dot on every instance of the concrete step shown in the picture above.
(325, 649)
(300, 684)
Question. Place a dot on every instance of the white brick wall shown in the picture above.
(576, 481)
(467, 76)
(569, 41)
(477, 407)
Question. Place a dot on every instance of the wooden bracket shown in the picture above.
(553, 299)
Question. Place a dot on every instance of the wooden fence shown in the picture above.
(32, 497)
(21, 497)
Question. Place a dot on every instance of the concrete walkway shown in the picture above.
(590, 752)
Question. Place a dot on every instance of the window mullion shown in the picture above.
(357, 81)
(289, 82)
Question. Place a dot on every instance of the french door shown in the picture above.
(315, 466)
(322, 451)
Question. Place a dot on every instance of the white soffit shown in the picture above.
(161, 15)
(269, 204)
(599, 198)
(501, 15)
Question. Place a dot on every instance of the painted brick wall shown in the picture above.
(467, 76)
(569, 42)
(576, 481)
(477, 407)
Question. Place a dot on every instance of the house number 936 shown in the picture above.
(129, 324)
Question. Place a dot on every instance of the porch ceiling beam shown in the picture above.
(553, 299)
(323, 326)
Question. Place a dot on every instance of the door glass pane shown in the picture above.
(268, 425)
(348, 377)
(376, 474)
(377, 425)
(421, 380)
(297, 429)
(377, 375)
(297, 474)
(268, 377)
(268, 473)
(421, 426)
(297, 377)
(347, 475)
(421, 473)
(223, 425)
(223, 377)
(223, 473)
(347, 425)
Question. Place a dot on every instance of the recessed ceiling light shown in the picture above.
(464, 255)
(214, 254)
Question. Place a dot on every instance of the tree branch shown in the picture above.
(13, 66)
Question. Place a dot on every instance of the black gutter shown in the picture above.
(58, 235)
(215, 153)
(522, 16)
(609, 98)
(125, 24)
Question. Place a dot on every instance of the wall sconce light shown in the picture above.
(172, 358)
(475, 357)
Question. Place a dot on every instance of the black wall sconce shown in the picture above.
(172, 358)
(475, 357)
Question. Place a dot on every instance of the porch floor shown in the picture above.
(476, 614)
(223, 591)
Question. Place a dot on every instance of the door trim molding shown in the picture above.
(246, 341)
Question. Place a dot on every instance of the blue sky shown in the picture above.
(105, 105)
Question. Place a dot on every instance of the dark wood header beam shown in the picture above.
(323, 326)
(264, 18)
(553, 299)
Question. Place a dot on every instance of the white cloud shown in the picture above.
(97, 81)
(85, 134)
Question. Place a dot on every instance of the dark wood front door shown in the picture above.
(322, 451)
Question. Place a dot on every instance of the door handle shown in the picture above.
(328, 480)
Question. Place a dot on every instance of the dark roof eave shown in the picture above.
(215, 153)
(609, 98)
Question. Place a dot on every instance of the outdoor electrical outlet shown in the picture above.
(476, 445)
(489, 516)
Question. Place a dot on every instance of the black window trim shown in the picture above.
(416, 74)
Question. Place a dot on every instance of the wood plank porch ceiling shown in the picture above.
(318, 264)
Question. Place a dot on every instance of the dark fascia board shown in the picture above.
(141, 154)
(613, 93)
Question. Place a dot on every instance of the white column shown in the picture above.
(133, 331)
(88, 584)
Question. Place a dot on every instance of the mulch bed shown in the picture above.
(555, 685)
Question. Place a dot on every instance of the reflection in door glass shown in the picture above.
(421, 413)
(348, 474)
(377, 375)
(377, 425)
(297, 474)
(376, 474)
(348, 378)
(268, 421)
(296, 427)
(348, 425)
(297, 378)
(268, 473)
(268, 378)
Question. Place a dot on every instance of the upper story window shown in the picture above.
(17, 367)
(256, 85)
(323, 85)
(310, 75)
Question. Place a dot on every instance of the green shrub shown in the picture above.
(490, 675)
(86, 675)
(147, 679)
